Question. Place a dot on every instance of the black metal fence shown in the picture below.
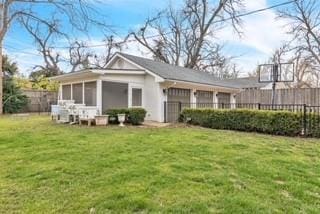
(310, 115)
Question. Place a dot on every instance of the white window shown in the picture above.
(136, 97)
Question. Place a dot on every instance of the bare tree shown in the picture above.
(186, 36)
(304, 17)
(303, 71)
(42, 36)
(111, 46)
(79, 56)
(80, 14)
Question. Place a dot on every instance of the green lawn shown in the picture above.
(50, 168)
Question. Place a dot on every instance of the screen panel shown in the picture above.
(114, 95)
(66, 92)
(77, 93)
(90, 93)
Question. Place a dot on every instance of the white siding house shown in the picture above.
(131, 81)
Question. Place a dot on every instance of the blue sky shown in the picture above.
(262, 33)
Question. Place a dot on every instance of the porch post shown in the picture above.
(233, 100)
(83, 93)
(129, 95)
(71, 91)
(99, 96)
(193, 99)
(60, 92)
(215, 100)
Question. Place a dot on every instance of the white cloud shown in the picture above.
(262, 34)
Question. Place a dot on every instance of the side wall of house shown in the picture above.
(154, 99)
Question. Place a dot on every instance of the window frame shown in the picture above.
(141, 96)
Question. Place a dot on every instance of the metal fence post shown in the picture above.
(304, 119)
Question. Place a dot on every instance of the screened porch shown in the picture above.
(103, 94)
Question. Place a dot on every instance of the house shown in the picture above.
(131, 81)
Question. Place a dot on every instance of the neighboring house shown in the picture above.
(131, 81)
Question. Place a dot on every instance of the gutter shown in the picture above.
(206, 84)
(69, 74)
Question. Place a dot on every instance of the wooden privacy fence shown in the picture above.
(308, 96)
(40, 100)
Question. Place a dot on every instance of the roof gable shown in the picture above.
(119, 63)
(178, 73)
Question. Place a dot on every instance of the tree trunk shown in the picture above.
(1, 80)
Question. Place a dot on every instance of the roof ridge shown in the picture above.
(168, 64)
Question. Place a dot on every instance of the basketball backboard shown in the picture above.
(265, 73)
(283, 72)
(286, 72)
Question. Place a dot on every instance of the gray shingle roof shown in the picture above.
(248, 82)
(172, 72)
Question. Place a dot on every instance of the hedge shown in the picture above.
(135, 116)
(269, 122)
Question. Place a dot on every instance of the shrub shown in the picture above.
(113, 114)
(135, 116)
(270, 122)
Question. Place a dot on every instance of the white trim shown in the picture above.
(112, 80)
(83, 93)
(212, 87)
(60, 92)
(71, 91)
(215, 99)
(115, 71)
(70, 74)
(193, 98)
(99, 96)
(158, 78)
(135, 86)
(79, 81)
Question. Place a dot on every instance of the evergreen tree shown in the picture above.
(13, 98)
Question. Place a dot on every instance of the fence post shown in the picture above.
(259, 106)
(165, 111)
(304, 119)
(180, 107)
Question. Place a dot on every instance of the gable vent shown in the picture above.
(120, 63)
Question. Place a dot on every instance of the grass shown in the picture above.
(50, 168)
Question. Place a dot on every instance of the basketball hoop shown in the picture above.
(273, 73)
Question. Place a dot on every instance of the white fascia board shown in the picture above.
(119, 71)
(60, 77)
(204, 85)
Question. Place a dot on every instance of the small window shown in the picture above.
(66, 92)
(136, 97)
